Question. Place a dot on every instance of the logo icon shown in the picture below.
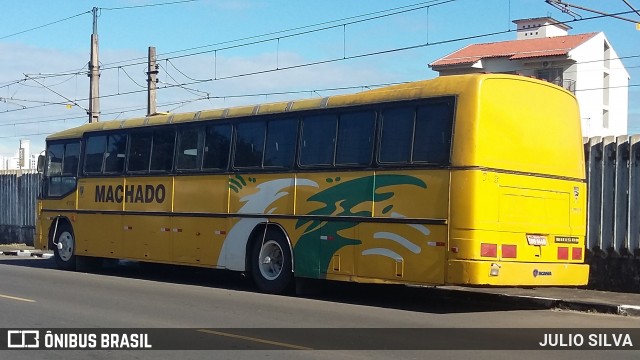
(23, 339)
(537, 273)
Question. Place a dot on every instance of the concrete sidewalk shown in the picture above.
(23, 250)
(627, 304)
(619, 303)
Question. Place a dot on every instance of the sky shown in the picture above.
(221, 53)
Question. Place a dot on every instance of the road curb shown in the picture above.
(588, 306)
(27, 253)
(629, 310)
(575, 305)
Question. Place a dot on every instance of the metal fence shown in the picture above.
(613, 231)
(18, 193)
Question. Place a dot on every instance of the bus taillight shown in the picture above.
(509, 251)
(576, 253)
(488, 250)
(563, 253)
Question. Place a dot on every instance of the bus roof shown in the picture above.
(441, 86)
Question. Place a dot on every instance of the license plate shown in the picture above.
(537, 240)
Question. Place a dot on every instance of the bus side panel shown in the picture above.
(45, 222)
(411, 250)
(198, 240)
(322, 240)
(48, 210)
(100, 233)
(201, 194)
(147, 237)
(254, 196)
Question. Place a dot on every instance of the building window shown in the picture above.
(552, 75)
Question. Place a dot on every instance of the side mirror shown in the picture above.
(41, 163)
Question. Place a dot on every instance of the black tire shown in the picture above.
(271, 268)
(64, 248)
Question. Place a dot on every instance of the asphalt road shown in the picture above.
(33, 294)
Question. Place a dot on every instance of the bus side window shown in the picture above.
(318, 140)
(55, 154)
(432, 138)
(139, 151)
(189, 149)
(114, 158)
(162, 150)
(62, 168)
(281, 143)
(217, 143)
(249, 144)
(94, 154)
(355, 138)
(71, 159)
(397, 133)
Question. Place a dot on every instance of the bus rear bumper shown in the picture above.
(497, 273)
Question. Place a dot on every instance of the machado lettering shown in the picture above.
(144, 194)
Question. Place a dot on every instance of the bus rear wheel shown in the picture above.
(271, 263)
(64, 247)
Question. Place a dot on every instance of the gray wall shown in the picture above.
(18, 193)
(613, 230)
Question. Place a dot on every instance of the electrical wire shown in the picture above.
(148, 5)
(196, 81)
(416, 6)
(45, 25)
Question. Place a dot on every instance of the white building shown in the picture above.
(585, 64)
(21, 160)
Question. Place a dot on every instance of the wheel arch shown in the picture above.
(257, 234)
(61, 221)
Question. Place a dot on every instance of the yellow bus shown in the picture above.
(468, 180)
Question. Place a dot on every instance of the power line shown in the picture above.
(129, 76)
(412, 7)
(631, 7)
(342, 23)
(343, 58)
(148, 5)
(45, 25)
(387, 12)
(183, 85)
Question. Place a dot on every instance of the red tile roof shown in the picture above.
(515, 49)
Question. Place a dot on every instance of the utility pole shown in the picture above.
(94, 73)
(152, 81)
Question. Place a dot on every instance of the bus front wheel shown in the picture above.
(271, 263)
(64, 248)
